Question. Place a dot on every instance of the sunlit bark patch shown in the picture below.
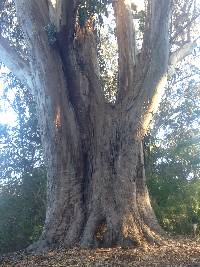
(57, 120)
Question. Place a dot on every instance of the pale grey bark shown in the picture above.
(11, 58)
(125, 31)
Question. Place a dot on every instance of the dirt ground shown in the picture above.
(179, 252)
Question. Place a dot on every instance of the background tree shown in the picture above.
(96, 191)
(22, 173)
(172, 150)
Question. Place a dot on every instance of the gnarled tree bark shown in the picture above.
(97, 195)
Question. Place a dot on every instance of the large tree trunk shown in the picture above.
(102, 199)
(97, 195)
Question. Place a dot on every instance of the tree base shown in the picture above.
(103, 237)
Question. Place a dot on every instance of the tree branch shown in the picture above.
(58, 12)
(34, 24)
(177, 34)
(62, 14)
(16, 64)
(153, 61)
(181, 53)
(152, 66)
(155, 52)
(126, 44)
(160, 61)
(56, 115)
(79, 58)
(156, 37)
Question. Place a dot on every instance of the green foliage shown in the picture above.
(10, 27)
(142, 20)
(51, 33)
(108, 60)
(20, 143)
(22, 174)
(22, 209)
(90, 8)
(172, 154)
(176, 203)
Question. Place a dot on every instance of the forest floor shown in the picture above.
(180, 252)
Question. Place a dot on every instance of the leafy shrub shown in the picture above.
(22, 209)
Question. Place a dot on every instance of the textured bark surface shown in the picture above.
(97, 195)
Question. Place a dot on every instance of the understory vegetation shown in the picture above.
(172, 155)
(23, 176)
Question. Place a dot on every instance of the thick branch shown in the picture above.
(181, 53)
(62, 14)
(50, 89)
(126, 44)
(156, 48)
(78, 51)
(83, 78)
(174, 59)
(152, 67)
(37, 17)
(16, 64)
(156, 41)
(58, 11)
